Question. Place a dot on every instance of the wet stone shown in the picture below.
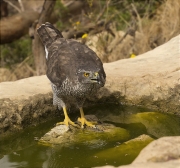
(64, 135)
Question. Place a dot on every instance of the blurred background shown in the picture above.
(114, 29)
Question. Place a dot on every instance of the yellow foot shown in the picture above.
(85, 122)
(67, 122)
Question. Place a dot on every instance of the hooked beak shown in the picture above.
(95, 78)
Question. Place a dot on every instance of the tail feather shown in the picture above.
(48, 34)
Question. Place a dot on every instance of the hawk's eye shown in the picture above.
(86, 74)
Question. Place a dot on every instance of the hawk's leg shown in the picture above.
(67, 121)
(84, 121)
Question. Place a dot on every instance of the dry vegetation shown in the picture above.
(148, 34)
(113, 33)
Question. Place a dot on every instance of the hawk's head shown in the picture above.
(89, 76)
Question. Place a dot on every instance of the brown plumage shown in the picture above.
(75, 71)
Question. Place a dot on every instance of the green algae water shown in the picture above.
(135, 128)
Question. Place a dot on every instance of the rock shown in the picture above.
(170, 164)
(156, 124)
(161, 153)
(55, 136)
(155, 151)
(25, 102)
(101, 135)
(150, 80)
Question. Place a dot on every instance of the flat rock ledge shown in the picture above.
(150, 80)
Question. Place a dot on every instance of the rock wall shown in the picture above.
(25, 102)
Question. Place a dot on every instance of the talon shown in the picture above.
(84, 121)
(67, 122)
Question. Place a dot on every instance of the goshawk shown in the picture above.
(75, 71)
